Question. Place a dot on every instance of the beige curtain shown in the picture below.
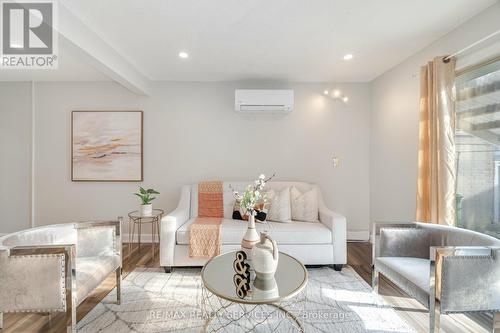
(436, 154)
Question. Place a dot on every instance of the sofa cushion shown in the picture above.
(283, 233)
(91, 271)
(410, 274)
(280, 209)
(305, 206)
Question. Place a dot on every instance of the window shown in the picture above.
(477, 141)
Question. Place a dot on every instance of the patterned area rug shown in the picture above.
(153, 301)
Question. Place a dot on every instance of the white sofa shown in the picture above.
(319, 243)
(54, 268)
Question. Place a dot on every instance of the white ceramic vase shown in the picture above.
(147, 210)
(250, 238)
(265, 257)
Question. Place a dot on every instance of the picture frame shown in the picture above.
(107, 146)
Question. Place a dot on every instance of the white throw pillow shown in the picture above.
(279, 206)
(304, 205)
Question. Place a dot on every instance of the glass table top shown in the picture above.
(220, 277)
(137, 214)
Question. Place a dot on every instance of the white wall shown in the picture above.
(15, 156)
(192, 133)
(395, 114)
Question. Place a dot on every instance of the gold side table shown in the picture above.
(135, 217)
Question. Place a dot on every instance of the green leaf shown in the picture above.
(142, 190)
(151, 191)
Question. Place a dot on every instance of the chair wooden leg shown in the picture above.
(496, 322)
(435, 317)
(375, 281)
(118, 274)
(71, 319)
(70, 277)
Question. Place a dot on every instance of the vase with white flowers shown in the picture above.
(249, 200)
(146, 198)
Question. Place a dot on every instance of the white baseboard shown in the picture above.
(145, 238)
(358, 235)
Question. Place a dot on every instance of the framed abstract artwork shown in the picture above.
(106, 146)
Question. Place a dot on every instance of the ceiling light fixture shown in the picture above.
(348, 56)
(336, 95)
(183, 55)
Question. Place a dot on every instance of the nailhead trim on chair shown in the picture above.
(62, 279)
(466, 257)
(478, 311)
(63, 283)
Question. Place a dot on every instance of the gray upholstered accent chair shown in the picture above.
(54, 268)
(447, 269)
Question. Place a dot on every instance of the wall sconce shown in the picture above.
(336, 94)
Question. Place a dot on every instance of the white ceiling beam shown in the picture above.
(96, 52)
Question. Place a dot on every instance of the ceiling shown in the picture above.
(293, 40)
(70, 68)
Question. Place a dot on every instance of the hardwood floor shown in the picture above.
(358, 257)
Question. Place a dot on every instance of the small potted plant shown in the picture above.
(146, 198)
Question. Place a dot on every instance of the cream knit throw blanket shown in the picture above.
(204, 232)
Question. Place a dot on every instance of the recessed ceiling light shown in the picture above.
(348, 56)
(183, 55)
(325, 92)
(345, 99)
(336, 93)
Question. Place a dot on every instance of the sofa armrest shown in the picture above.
(478, 291)
(38, 279)
(99, 238)
(337, 223)
(169, 225)
(375, 235)
(404, 242)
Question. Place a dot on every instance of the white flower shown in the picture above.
(262, 176)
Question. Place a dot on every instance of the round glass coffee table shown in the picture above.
(230, 305)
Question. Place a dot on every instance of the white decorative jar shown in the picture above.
(265, 257)
(146, 210)
(265, 289)
(250, 238)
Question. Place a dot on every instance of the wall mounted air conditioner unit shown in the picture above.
(263, 101)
